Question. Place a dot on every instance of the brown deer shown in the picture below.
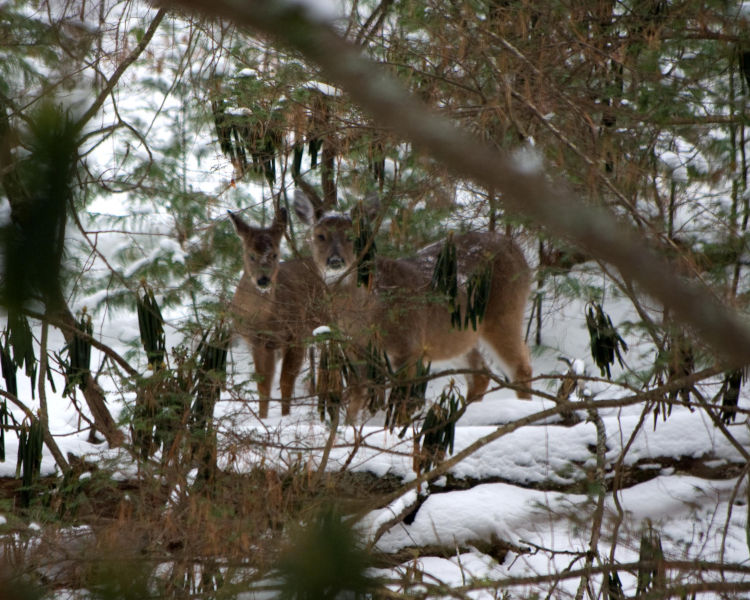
(409, 320)
(275, 307)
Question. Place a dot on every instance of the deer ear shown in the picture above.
(372, 205)
(240, 226)
(279, 221)
(303, 207)
(281, 217)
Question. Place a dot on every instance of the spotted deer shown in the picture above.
(275, 307)
(409, 320)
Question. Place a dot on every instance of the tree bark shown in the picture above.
(92, 393)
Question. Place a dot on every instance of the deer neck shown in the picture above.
(260, 302)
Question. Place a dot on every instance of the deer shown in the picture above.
(405, 317)
(275, 308)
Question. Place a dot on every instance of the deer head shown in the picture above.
(260, 254)
(331, 235)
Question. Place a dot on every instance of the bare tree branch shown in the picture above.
(122, 67)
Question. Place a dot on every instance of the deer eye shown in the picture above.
(274, 256)
(321, 237)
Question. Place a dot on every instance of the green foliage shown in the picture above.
(614, 587)
(210, 376)
(478, 288)
(212, 367)
(445, 278)
(18, 588)
(151, 326)
(730, 394)
(17, 337)
(161, 399)
(336, 369)
(8, 367)
(642, 81)
(39, 188)
(158, 416)
(38, 40)
(254, 137)
(408, 388)
(606, 343)
(86, 488)
(377, 369)
(118, 577)
(325, 560)
(176, 403)
(3, 426)
(30, 444)
(651, 572)
(675, 361)
(77, 367)
(439, 427)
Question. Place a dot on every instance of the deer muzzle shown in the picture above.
(335, 262)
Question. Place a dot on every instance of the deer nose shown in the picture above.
(263, 281)
(335, 262)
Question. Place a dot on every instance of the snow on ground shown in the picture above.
(698, 518)
(517, 504)
(513, 482)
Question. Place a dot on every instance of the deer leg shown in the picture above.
(401, 401)
(514, 354)
(265, 365)
(291, 365)
(359, 389)
(520, 362)
(477, 381)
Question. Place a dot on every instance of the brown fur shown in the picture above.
(276, 318)
(410, 321)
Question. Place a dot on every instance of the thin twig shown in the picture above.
(71, 329)
(596, 525)
(122, 67)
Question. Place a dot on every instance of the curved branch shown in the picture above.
(68, 328)
(48, 439)
(129, 60)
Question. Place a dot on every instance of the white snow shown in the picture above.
(528, 160)
(322, 330)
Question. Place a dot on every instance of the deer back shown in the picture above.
(416, 320)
